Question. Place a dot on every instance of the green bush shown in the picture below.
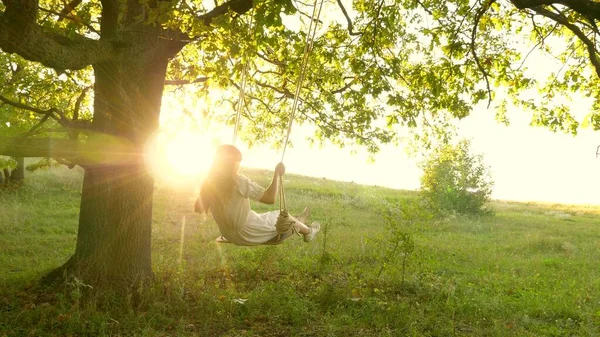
(7, 162)
(456, 181)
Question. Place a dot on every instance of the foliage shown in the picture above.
(7, 162)
(528, 271)
(34, 85)
(456, 181)
(43, 163)
(380, 66)
(402, 220)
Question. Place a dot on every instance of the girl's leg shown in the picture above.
(309, 232)
(303, 219)
(302, 228)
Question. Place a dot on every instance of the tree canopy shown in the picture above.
(374, 64)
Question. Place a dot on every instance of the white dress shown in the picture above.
(241, 225)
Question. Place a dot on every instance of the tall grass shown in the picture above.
(531, 270)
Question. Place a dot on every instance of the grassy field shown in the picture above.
(529, 270)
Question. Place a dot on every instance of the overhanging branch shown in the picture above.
(580, 34)
(53, 113)
(238, 6)
(584, 7)
(69, 7)
(99, 150)
(20, 34)
(18, 105)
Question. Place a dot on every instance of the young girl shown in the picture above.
(225, 193)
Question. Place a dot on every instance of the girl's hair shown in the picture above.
(221, 179)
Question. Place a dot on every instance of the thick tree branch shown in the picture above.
(238, 6)
(30, 108)
(20, 34)
(69, 8)
(96, 151)
(581, 35)
(584, 7)
(54, 113)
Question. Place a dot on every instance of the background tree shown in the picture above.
(35, 100)
(375, 66)
(455, 181)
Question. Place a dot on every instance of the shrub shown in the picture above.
(402, 220)
(456, 181)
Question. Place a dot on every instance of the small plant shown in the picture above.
(456, 181)
(401, 222)
(325, 255)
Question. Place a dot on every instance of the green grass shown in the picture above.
(529, 270)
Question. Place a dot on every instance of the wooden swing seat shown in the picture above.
(279, 239)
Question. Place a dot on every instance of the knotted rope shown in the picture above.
(285, 222)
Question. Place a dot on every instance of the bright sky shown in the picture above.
(527, 163)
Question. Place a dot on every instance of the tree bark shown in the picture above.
(114, 237)
(6, 175)
(18, 174)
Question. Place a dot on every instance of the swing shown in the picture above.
(285, 222)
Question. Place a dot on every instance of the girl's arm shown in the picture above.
(271, 193)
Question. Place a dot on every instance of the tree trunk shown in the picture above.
(18, 174)
(6, 175)
(113, 241)
(114, 238)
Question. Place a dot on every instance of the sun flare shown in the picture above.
(180, 156)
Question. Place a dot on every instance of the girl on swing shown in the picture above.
(226, 193)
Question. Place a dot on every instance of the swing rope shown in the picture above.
(242, 98)
(284, 221)
(241, 103)
(310, 37)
